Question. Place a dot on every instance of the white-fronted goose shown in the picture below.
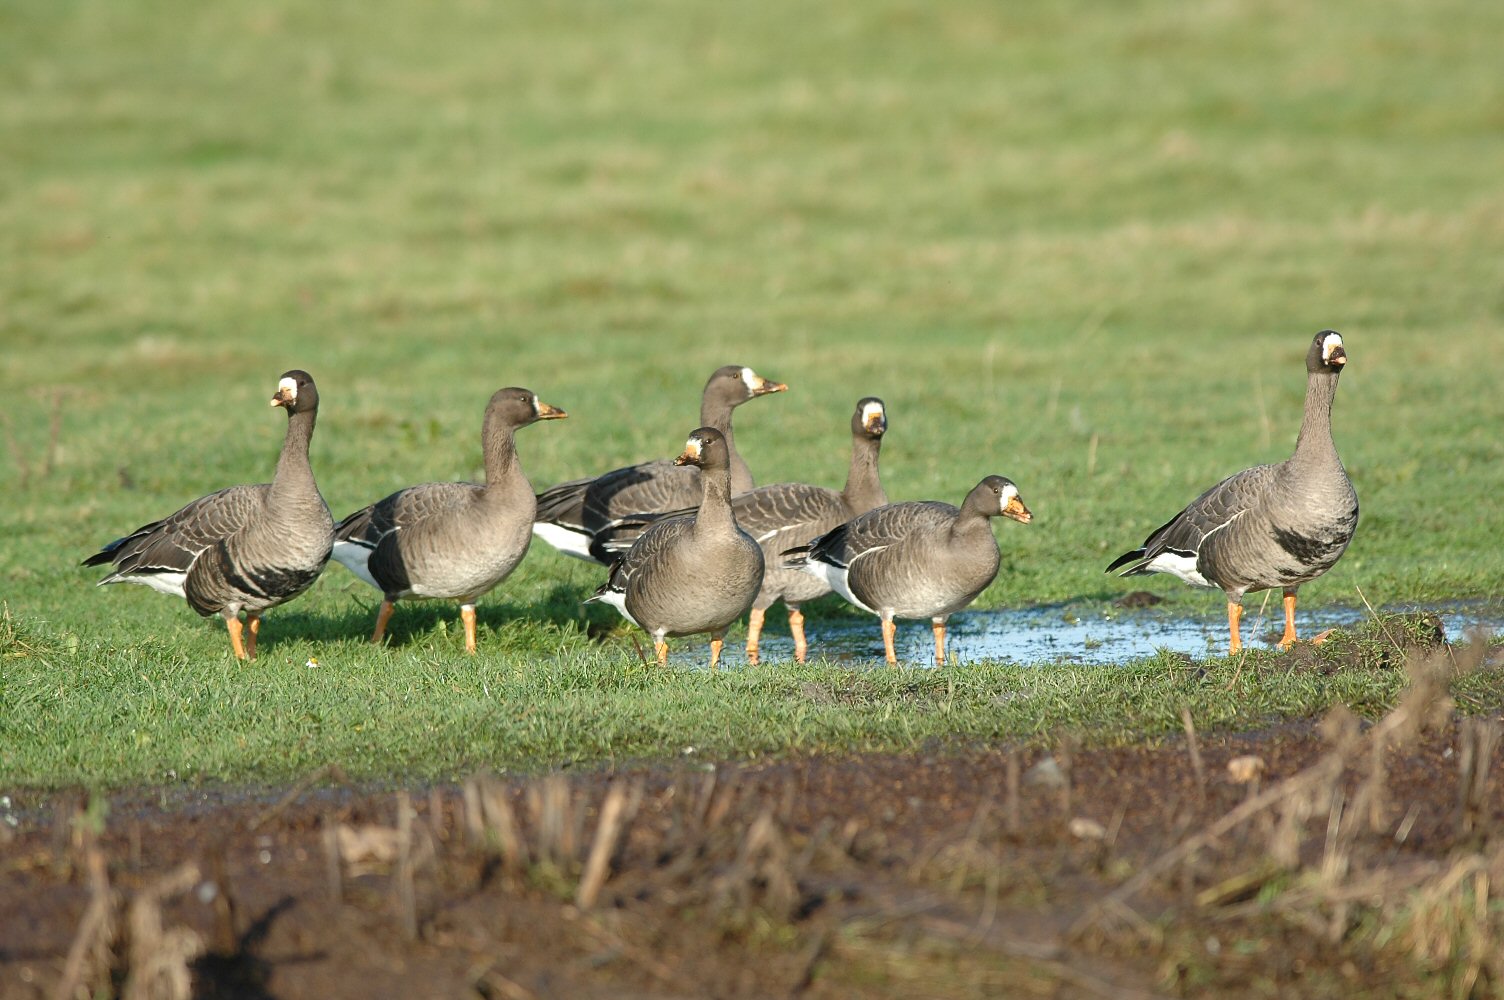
(921, 559)
(687, 575)
(245, 548)
(570, 514)
(450, 540)
(783, 515)
(1277, 525)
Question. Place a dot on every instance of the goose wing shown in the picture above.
(876, 530)
(1214, 510)
(173, 544)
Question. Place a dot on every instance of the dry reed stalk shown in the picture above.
(334, 871)
(159, 958)
(406, 890)
(607, 832)
(551, 804)
(1198, 766)
(88, 962)
(497, 822)
(1477, 739)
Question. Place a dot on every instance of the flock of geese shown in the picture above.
(692, 544)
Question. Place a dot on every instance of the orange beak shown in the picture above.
(1015, 509)
(547, 412)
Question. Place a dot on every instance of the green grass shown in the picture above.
(1083, 246)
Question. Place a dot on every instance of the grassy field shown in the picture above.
(1081, 245)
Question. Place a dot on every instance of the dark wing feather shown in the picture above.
(564, 504)
(878, 529)
(762, 513)
(659, 537)
(650, 487)
(1212, 510)
(174, 543)
(405, 508)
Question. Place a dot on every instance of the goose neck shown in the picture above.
(294, 474)
(500, 450)
(715, 500)
(864, 489)
(716, 413)
(1315, 440)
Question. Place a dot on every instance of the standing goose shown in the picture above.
(570, 514)
(245, 548)
(922, 559)
(783, 515)
(687, 575)
(1277, 525)
(453, 540)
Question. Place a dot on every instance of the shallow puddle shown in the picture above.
(1080, 633)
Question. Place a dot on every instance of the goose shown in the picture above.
(688, 575)
(450, 540)
(920, 559)
(1278, 525)
(783, 515)
(245, 548)
(570, 513)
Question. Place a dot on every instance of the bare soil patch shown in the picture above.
(964, 872)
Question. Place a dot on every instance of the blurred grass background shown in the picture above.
(1084, 245)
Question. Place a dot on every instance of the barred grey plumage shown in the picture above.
(245, 548)
(1277, 525)
(570, 513)
(920, 559)
(783, 515)
(688, 575)
(450, 540)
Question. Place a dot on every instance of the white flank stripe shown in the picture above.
(1181, 566)
(618, 600)
(566, 540)
(835, 579)
(355, 558)
(166, 583)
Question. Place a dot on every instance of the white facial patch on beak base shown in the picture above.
(873, 415)
(693, 446)
(290, 387)
(1009, 494)
(749, 379)
(1330, 343)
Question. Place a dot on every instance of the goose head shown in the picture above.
(705, 449)
(996, 496)
(1327, 355)
(296, 392)
(870, 419)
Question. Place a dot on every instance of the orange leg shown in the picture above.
(661, 648)
(467, 615)
(1234, 618)
(252, 626)
(796, 626)
(235, 628)
(1288, 639)
(939, 627)
(382, 617)
(888, 630)
(754, 629)
(716, 642)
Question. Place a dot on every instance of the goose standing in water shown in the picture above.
(244, 548)
(570, 514)
(450, 540)
(921, 559)
(1277, 525)
(687, 575)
